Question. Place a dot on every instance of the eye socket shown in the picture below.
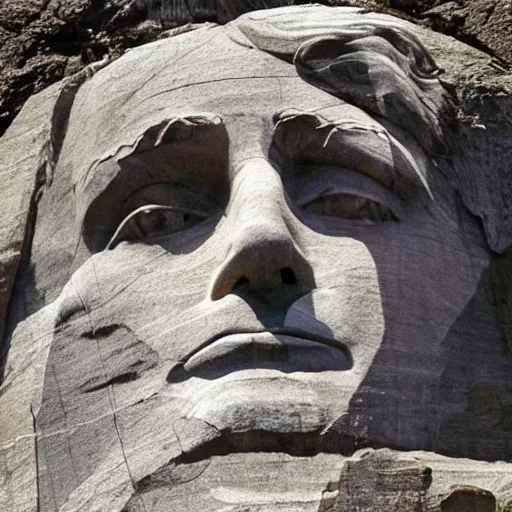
(349, 206)
(154, 220)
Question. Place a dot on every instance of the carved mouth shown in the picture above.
(281, 349)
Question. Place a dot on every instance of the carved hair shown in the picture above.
(369, 62)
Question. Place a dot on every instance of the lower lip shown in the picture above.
(266, 350)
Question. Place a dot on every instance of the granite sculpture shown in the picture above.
(251, 261)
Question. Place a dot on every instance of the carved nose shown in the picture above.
(266, 259)
(264, 256)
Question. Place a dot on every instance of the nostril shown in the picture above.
(288, 276)
(243, 280)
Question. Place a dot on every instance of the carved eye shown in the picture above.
(154, 220)
(349, 207)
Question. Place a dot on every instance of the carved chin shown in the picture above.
(262, 410)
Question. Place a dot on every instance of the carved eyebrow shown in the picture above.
(309, 138)
(180, 129)
(174, 130)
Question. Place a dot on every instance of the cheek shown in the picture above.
(136, 278)
(141, 305)
(346, 303)
(144, 287)
(427, 276)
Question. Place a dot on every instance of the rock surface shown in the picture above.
(382, 481)
(41, 41)
(168, 351)
(483, 23)
(464, 499)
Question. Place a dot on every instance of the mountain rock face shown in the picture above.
(256, 266)
(484, 23)
(41, 41)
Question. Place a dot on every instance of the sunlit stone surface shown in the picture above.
(251, 257)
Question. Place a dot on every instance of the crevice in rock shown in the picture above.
(23, 264)
(299, 444)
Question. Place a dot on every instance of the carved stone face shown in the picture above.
(271, 269)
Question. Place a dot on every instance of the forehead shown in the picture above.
(178, 77)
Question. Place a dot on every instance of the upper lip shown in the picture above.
(180, 372)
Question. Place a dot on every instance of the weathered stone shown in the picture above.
(381, 480)
(469, 499)
(484, 23)
(502, 271)
(261, 246)
(23, 162)
(39, 39)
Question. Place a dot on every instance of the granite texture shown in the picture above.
(249, 268)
